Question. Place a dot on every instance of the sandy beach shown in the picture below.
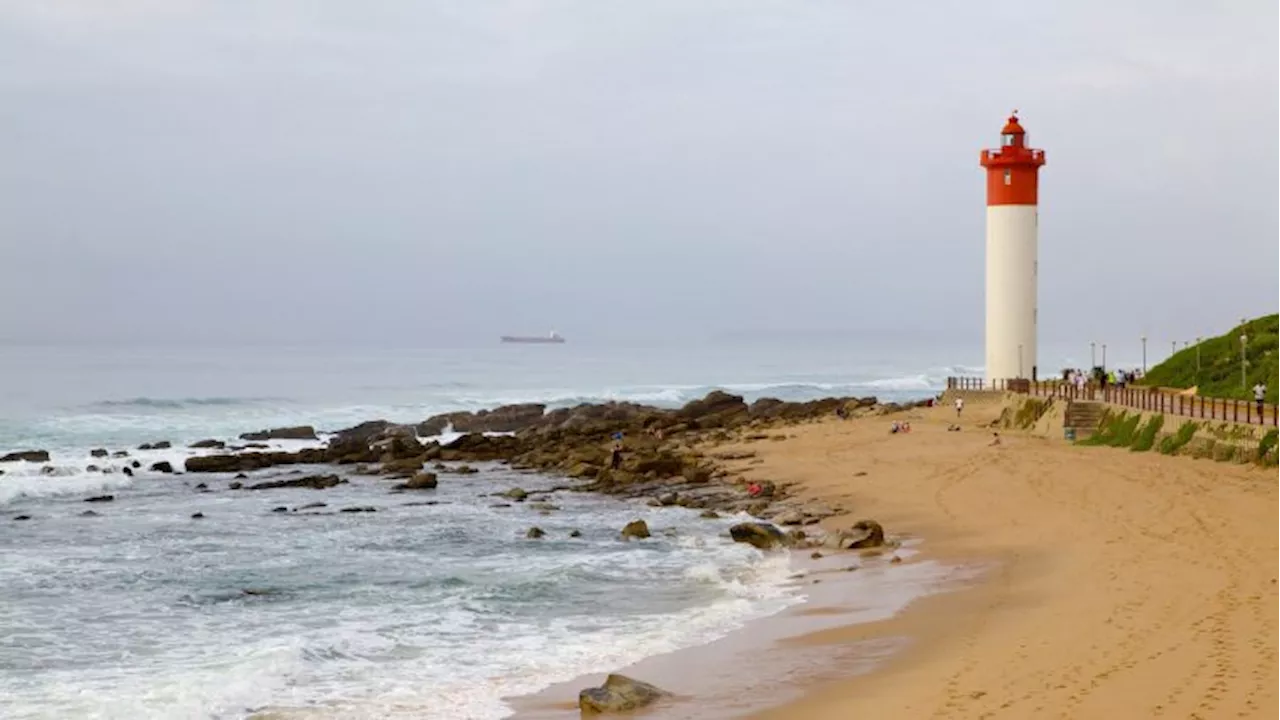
(1127, 585)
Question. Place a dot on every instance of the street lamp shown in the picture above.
(1144, 354)
(1174, 351)
(1244, 340)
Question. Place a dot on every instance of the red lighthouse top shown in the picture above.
(1013, 169)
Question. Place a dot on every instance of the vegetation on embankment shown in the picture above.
(1224, 442)
(1219, 363)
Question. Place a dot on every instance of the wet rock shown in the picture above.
(618, 694)
(575, 534)
(760, 535)
(637, 529)
(48, 470)
(668, 499)
(463, 470)
(421, 481)
(362, 509)
(208, 444)
(202, 486)
(27, 455)
(789, 517)
(544, 506)
(281, 509)
(240, 476)
(299, 432)
(402, 467)
(90, 513)
(516, 494)
(135, 464)
(864, 535)
(162, 445)
(127, 470)
(120, 454)
(235, 485)
(535, 532)
(21, 517)
(709, 514)
(197, 516)
(815, 555)
(316, 482)
(98, 452)
(92, 468)
(163, 467)
(311, 506)
(500, 505)
(100, 498)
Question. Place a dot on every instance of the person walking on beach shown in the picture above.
(1260, 396)
(959, 407)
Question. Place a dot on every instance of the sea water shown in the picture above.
(416, 610)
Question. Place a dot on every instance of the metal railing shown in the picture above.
(1137, 397)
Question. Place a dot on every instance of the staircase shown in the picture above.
(1082, 418)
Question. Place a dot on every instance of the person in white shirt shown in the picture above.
(1260, 396)
(959, 406)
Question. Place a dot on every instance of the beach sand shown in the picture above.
(1114, 585)
(1125, 585)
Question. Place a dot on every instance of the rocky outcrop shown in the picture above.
(506, 418)
(27, 455)
(164, 466)
(421, 481)
(206, 444)
(253, 460)
(619, 694)
(298, 432)
(316, 482)
(98, 452)
(162, 445)
(636, 529)
(717, 409)
(760, 535)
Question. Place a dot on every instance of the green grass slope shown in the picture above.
(1219, 374)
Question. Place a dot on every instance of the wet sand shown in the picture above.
(1116, 585)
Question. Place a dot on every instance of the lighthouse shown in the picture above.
(1013, 221)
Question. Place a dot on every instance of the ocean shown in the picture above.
(418, 610)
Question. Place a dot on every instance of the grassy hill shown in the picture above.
(1219, 374)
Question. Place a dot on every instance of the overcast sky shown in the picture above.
(294, 170)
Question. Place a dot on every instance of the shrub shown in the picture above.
(1146, 438)
(1175, 442)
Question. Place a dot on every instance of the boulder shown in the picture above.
(162, 445)
(535, 532)
(98, 452)
(127, 470)
(120, 454)
(421, 481)
(205, 444)
(361, 509)
(760, 535)
(405, 467)
(236, 485)
(298, 432)
(27, 455)
(575, 533)
(864, 534)
(163, 466)
(637, 529)
(517, 494)
(364, 433)
(619, 694)
(92, 468)
(710, 514)
(21, 517)
(716, 409)
(89, 513)
(100, 498)
(316, 482)
(197, 516)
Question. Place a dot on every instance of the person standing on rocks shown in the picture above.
(615, 457)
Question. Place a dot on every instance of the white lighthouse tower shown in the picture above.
(1012, 226)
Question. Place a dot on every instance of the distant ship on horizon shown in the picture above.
(552, 337)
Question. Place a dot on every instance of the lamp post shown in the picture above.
(1174, 346)
(1144, 354)
(1244, 340)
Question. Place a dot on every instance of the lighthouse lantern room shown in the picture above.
(1012, 228)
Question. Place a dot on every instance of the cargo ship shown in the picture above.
(552, 337)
